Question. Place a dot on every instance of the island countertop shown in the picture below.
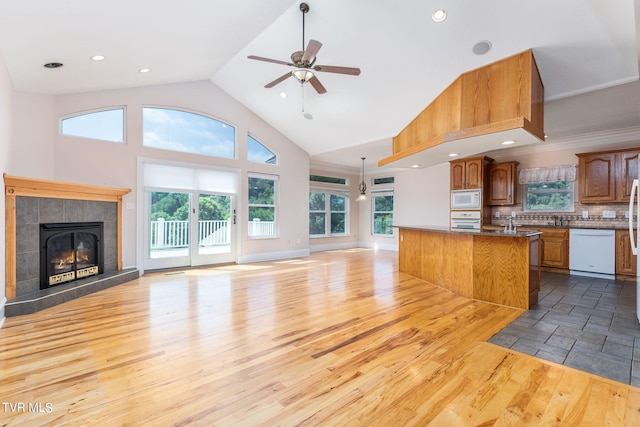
(493, 233)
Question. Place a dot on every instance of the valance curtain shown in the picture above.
(550, 174)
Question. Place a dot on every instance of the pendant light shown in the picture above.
(362, 187)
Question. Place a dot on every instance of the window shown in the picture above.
(548, 189)
(258, 153)
(549, 196)
(382, 204)
(178, 130)
(105, 125)
(262, 205)
(385, 180)
(328, 179)
(327, 213)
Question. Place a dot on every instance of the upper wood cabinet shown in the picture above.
(502, 183)
(468, 173)
(607, 176)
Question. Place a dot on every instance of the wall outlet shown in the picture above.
(608, 214)
(513, 214)
(585, 214)
(626, 214)
(497, 214)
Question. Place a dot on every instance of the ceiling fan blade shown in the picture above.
(275, 61)
(311, 51)
(340, 70)
(278, 80)
(317, 85)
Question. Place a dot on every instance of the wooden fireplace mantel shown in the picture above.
(30, 187)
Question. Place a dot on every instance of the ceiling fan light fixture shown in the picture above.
(303, 75)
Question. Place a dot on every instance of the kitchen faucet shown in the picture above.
(510, 228)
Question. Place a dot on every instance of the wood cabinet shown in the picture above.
(468, 173)
(625, 259)
(554, 247)
(502, 183)
(607, 176)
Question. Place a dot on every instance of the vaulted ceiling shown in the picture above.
(407, 59)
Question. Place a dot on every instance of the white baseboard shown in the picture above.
(384, 247)
(334, 247)
(271, 256)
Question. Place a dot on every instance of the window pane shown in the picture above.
(338, 221)
(187, 132)
(327, 179)
(261, 191)
(383, 203)
(387, 180)
(549, 196)
(382, 223)
(337, 203)
(316, 201)
(256, 152)
(317, 223)
(262, 221)
(107, 125)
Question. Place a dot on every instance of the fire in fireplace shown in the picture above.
(70, 251)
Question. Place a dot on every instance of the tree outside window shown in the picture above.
(262, 206)
(549, 196)
(327, 213)
(382, 204)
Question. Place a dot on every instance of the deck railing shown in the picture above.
(167, 234)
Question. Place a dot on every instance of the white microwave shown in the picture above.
(466, 199)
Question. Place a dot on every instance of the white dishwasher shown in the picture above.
(592, 252)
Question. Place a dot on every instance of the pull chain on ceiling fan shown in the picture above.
(304, 62)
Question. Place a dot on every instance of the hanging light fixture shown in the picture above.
(362, 187)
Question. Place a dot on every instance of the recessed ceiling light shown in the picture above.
(454, 154)
(509, 142)
(439, 15)
(416, 166)
(308, 116)
(482, 47)
(97, 58)
(144, 70)
(53, 65)
(283, 95)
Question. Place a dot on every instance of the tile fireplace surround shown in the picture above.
(29, 202)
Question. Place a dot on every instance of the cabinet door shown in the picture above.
(501, 184)
(597, 177)
(625, 259)
(628, 164)
(474, 173)
(458, 174)
(553, 252)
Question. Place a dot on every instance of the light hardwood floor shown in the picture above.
(339, 338)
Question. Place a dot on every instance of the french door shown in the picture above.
(189, 229)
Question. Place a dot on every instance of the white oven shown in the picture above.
(465, 220)
(466, 199)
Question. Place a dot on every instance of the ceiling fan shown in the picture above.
(304, 63)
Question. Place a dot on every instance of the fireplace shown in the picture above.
(70, 251)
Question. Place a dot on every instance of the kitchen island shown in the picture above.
(492, 266)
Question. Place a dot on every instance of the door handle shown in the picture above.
(634, 247)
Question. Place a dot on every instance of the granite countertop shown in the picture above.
(580, 224)
(493, 233)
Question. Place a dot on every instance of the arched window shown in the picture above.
(257, 152)
(187, 132)
(105, 125)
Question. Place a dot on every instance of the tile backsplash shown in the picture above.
(598, 216)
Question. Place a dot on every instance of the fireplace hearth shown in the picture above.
(70, 251)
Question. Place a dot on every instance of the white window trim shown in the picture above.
(92, 111)
(327, 211)
(276, 196)
(381, 192)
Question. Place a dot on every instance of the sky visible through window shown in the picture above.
(256, 152)
(106, 125)
(187, 132)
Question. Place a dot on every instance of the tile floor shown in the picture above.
(583, 322)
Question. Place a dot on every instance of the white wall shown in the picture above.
(80, 160)
(6, 100)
